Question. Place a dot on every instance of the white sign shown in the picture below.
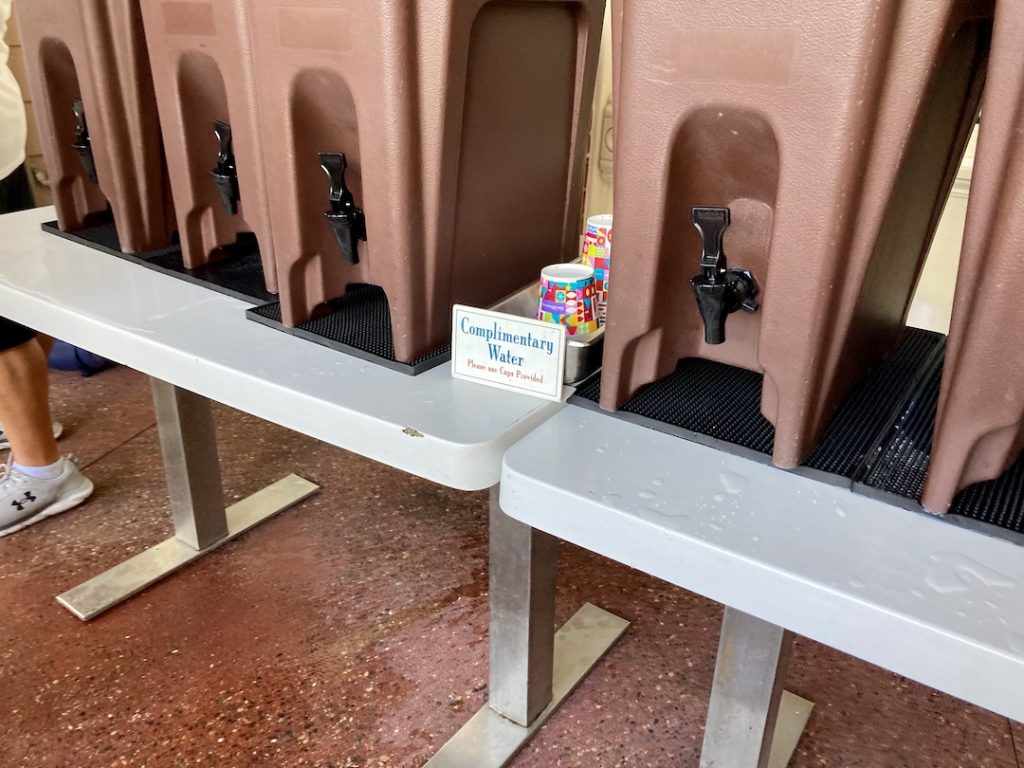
(508, 351)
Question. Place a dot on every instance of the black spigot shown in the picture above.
(82, 144)
(346, 221)
(225, 175)
(720, 291)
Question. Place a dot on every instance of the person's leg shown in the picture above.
(24, 398)
(38, 483)
(46, 344)
(24, 384)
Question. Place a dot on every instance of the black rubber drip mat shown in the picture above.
(723, 402)
(874, 405)
(998, 502)
(236, 272)
(588, 391)
(897, 469)
(898, 465)
(701, 400)
(359, 324)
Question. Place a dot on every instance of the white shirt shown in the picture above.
(12, 108)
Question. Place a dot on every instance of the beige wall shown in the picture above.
(933, 302)
(33, 149)
(598, 195)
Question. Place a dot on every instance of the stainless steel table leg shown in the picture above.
(188, 442)
(533, 668)
(746, 697)
(201, 522)
(522, 629)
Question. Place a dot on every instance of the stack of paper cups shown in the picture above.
(597, 253)
(567, 297)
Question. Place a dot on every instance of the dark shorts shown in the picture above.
(13, 335)
(15, 195)
(15, 191)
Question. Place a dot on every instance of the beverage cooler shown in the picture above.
(980, 424)
(206, 92)
(777, 185)
(430, 149)
(93, 91)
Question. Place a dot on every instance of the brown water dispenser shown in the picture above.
(780, 169)
(93, 91)
(206, 92)
(980, 423)
(432, 148)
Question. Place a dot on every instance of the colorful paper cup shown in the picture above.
(597, 253)
(568, 297)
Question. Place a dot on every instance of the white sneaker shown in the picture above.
(26, 500)
(58, 429)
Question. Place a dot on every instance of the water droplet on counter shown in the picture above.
(733, 483)
(917, 593)
(646, 495)
(715, 526)
(675, 513)
(657, 481)
(719, 497)
(601, 448)
(953, 572)
(857, 584)
(840, 511)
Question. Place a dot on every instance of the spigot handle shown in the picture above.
(225, 154)
(225, 175)
(334, 165)
(347, 222)
(340, 197)
(711, 222)
(82, 145)
(81, 127)
(719, 291)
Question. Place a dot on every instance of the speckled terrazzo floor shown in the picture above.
(350, 631)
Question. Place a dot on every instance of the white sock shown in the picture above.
(52, 472)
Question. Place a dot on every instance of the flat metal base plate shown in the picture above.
(111, 587)
(489, 740)
(794, 712)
